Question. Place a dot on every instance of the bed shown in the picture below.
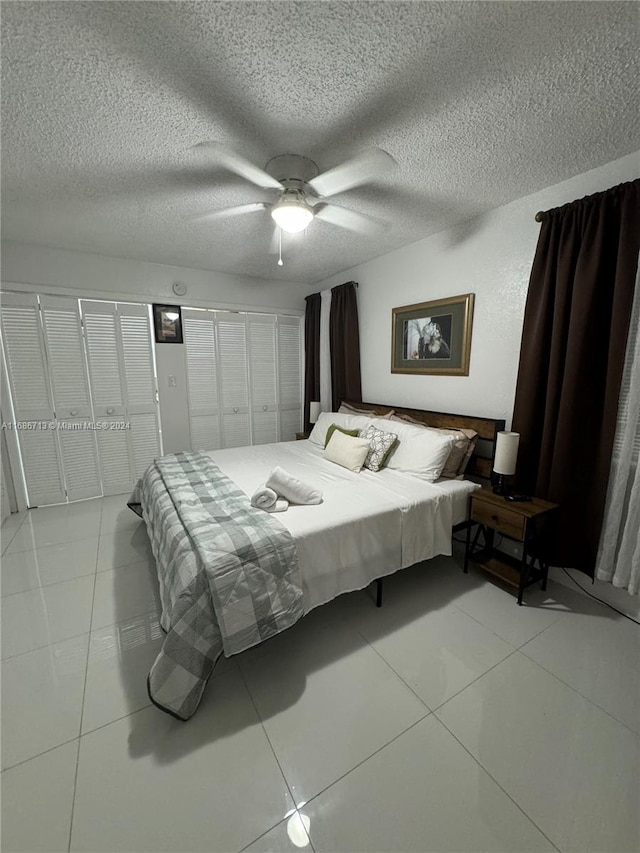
(231, 575)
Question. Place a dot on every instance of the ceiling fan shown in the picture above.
(301, 189)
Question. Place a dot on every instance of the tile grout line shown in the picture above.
(475, 680)
(437, 707)
(266, 734)
(68, 580)
(47, 545)
(136, 711)
(45, 586)
(375, 752)
(582, 696)
(487, 628)
(40, 754)
(84, 688)
(12, 537)
(548, 671)
(505, 792)
(46, 645)
(434, 712)
(395, 672)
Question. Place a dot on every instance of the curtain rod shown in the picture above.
(539, 215)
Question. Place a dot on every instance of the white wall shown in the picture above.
(490, 257)
(119, 278)
(81, 274)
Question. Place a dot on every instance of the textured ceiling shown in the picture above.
(479, 103)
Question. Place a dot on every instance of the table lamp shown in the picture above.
(504, 462)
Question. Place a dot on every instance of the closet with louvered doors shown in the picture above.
(244, 377)
(123, 384)
(234, 379)
(289, 349)
(263, 370)
(201, 360)
(46, 367)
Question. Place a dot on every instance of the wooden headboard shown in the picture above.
(480, 464)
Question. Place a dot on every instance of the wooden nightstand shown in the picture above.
(300, 436)
(519, 521)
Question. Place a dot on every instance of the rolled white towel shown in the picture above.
(281, 505)
(294, 490)
(264, 498)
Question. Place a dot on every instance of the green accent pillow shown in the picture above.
(354, 432)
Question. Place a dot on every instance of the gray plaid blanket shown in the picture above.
(229, 575)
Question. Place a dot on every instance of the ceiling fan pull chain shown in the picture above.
(280, 262)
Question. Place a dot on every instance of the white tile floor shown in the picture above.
(449, 720)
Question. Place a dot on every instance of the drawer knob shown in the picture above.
(109, 411)
(235, 409)
(494, 518)
(73, 412)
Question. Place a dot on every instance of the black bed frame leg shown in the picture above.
(379, 592)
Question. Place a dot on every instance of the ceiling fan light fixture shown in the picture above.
(292, 213)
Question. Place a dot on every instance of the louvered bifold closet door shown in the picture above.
(106, 372)
(234, 379)
(261, 334)
(32, 399)
(289, 376)
(140, 385)
(71, 396)
(123, 389)
(200, 341)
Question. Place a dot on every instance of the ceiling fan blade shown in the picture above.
(349, 219)
(362, 168)
(239, 165)
(232, 211)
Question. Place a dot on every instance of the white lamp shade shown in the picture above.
(314, 412)
(506, 453)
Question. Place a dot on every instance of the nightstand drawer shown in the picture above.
(501, 519)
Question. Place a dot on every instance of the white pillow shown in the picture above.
(419, 451)
(319, 432)
(347, 450)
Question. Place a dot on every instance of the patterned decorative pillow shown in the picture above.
(354, 432)
(381, 444)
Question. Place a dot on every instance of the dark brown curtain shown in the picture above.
(573, 346)
(311, 354)
(344, 344)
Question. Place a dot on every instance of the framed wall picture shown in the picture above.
(433, 338)
(167, 322)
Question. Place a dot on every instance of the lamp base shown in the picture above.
(502, 486)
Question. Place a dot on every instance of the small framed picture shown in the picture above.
(167, 321)
(433, 338)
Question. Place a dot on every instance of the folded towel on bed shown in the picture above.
(281, 505)
(264, 498)
(294, 490)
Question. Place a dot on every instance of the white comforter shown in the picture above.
(368, 525)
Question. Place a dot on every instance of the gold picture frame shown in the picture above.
(433, 338)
